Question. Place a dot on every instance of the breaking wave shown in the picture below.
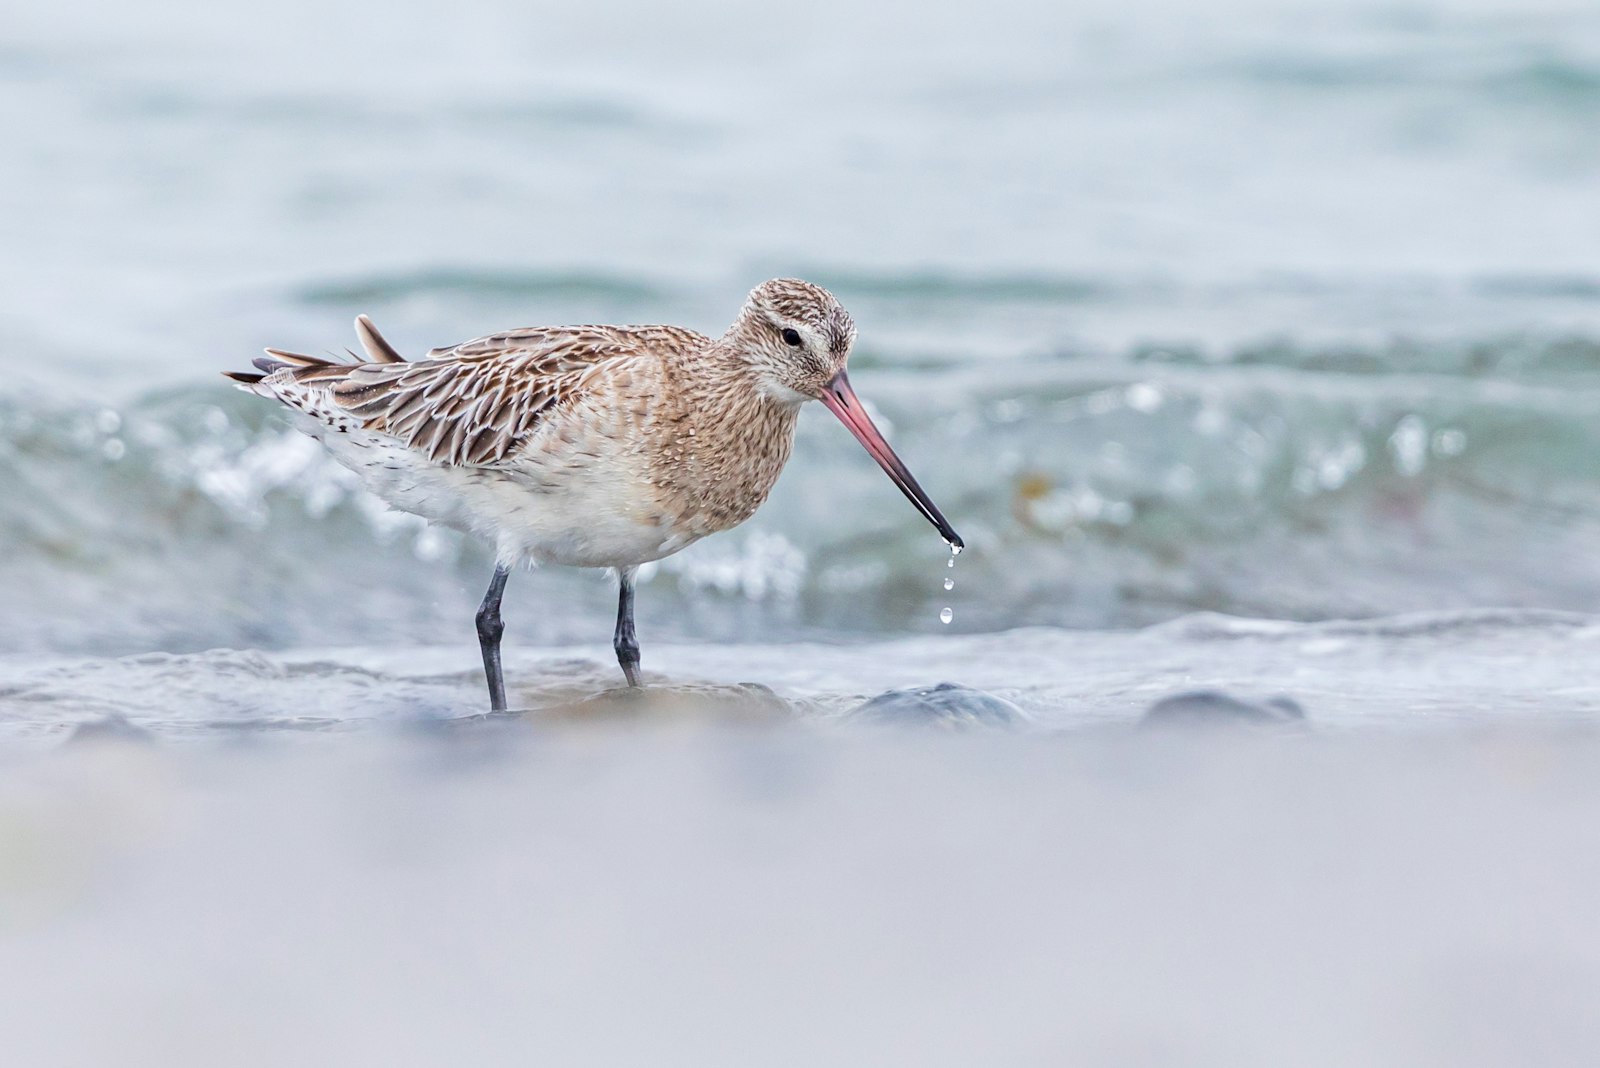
(1285, 481)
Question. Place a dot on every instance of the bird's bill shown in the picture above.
(843, 402)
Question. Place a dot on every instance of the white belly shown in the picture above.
(595, 512)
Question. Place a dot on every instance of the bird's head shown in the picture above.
(797, 338)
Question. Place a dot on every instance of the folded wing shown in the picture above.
(473, 404)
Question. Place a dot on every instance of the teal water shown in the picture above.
(1276, 315)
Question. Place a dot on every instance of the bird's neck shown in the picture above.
(735, 439)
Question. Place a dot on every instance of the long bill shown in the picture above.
(843, 402)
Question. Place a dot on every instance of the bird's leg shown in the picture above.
(489, 630)
(626, 645)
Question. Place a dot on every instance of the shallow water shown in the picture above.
(264, 857)
(1483, 669)
(1253, 348)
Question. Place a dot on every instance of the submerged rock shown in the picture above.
(945, 705)
(1208, 708)
(747, 702)
(113, 728)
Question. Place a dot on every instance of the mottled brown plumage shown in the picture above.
(595, 446)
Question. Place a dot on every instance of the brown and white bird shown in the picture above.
(591, 446)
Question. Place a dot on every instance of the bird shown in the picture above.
(586, 446)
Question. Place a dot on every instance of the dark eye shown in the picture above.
(791, 336)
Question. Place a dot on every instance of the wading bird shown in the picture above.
(591, 446)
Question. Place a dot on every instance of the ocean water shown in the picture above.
(1172, 312)
(1252, 347)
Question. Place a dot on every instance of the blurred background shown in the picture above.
(1279, 310)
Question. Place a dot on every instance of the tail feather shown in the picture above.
(322, 372)
(377, 348)
(296, 359)
(306, 368)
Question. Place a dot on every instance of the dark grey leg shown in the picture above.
(489, 630)
(626, 645)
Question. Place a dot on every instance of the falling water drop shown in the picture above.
(946, 614)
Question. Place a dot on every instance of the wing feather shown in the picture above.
(477, 403)
(473, 404)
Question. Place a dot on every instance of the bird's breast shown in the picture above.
(712, 471)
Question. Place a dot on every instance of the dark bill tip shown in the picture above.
(842, 401)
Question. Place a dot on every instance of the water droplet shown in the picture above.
(946, 615)
(955, 551)
(950, 562)
(949, 583)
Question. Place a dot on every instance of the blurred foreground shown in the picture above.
(328, 857)
(711, 894)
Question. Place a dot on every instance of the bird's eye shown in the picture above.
(791, 336)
